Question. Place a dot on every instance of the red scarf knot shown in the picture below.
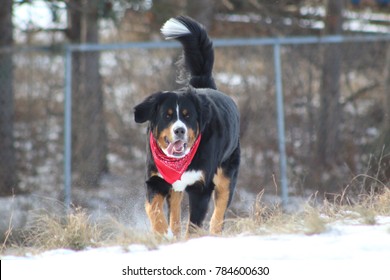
(172, 168)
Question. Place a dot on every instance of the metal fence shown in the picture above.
(251, 70)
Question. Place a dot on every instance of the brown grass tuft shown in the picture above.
(263, 219)
(314, 222)
(314, 219)
(77, 231)
(74, 231)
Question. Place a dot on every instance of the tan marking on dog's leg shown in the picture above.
(221, 198)
(155, 212)
(175, 199)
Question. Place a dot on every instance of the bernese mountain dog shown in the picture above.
(193, 139)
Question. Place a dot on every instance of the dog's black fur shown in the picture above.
(196, 109)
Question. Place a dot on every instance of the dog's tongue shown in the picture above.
(176, 148)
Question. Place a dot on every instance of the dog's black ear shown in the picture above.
(145, 111)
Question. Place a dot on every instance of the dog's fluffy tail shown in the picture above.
(197, 46)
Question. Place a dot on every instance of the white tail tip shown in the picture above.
(174, 28)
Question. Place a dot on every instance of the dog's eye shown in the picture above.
(185, 113)
(169, 114)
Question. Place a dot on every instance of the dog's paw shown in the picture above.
(169, 235)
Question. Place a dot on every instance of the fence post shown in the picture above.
(68, 129)
(280, 120)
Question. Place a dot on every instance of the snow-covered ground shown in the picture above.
(347, 250)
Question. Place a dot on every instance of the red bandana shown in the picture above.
(171, 168)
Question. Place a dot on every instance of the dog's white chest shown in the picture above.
(188, 178)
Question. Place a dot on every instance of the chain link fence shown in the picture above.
(244, 69)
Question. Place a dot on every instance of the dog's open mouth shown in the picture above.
(176, 149)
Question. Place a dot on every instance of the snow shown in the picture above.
(347, 250)
(38, 14)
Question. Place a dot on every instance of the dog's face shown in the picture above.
(175, 120)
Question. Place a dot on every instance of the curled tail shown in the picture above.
(197, 47)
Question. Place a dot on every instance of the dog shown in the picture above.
(193, 139)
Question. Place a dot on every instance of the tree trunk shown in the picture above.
(89, 151)
(328, 142)
(382, 149)
(386, 87)
(8, 177)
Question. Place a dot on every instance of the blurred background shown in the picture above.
(336, 99)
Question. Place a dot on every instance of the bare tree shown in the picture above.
(89, 132)
(386, 87)
(328, 142)
(8, 177)
(381, 169)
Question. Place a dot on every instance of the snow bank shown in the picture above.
(349, 250)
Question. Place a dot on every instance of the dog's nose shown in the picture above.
(180, 131)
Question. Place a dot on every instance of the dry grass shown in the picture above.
(314, 221)
(8, 233)
(77, 231)
(315, 217)
(73, 231)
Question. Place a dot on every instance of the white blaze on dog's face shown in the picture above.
(177, 125)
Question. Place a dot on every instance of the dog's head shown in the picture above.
(175, 119)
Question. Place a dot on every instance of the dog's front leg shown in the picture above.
(154, 210)
(157, 190)
(174, 203)
(199, 198)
